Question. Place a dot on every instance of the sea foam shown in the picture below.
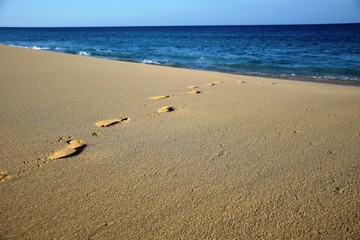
(150, 62)
(83, 53)
(40, 48)
(19, 46)
(33, 47)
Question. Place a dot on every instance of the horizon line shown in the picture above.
(200, 25)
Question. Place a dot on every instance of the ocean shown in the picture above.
(313, 52)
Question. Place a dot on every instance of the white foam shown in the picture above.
(40, 48)
(83, 53)
(150, 62)
(11, 45)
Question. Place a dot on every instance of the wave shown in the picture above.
(19, 46)
(150, 62)
(83, 53)
(294, 76)
(40, 48)
(33, 47)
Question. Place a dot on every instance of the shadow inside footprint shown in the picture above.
(78, 150)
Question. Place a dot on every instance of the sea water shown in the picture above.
(315, 52)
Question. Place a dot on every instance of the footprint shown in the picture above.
(110, 122)
(194, 91)
(165, 109)
(212, 83)
(74, 148)
(155, 98)
(4, 176)
(63, 153)
(241, 82)
(192, 87)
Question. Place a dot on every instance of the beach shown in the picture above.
(101, 149)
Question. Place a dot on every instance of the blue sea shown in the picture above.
(313, 52)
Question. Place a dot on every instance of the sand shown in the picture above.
(248, 158)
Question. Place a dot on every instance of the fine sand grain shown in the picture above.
(269, 159)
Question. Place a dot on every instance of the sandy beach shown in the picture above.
(100, 149)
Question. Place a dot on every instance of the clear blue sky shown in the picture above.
(45, 13)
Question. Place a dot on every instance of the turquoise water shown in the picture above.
(315, 52)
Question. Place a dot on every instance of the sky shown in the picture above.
(72, 13)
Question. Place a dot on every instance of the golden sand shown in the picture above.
(269, 159)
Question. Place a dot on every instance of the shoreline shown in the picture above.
(344, 82)
(336, 81)
(100, 149)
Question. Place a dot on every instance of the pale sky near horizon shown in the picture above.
(67, 13)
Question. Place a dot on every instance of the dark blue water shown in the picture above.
(296, 51)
